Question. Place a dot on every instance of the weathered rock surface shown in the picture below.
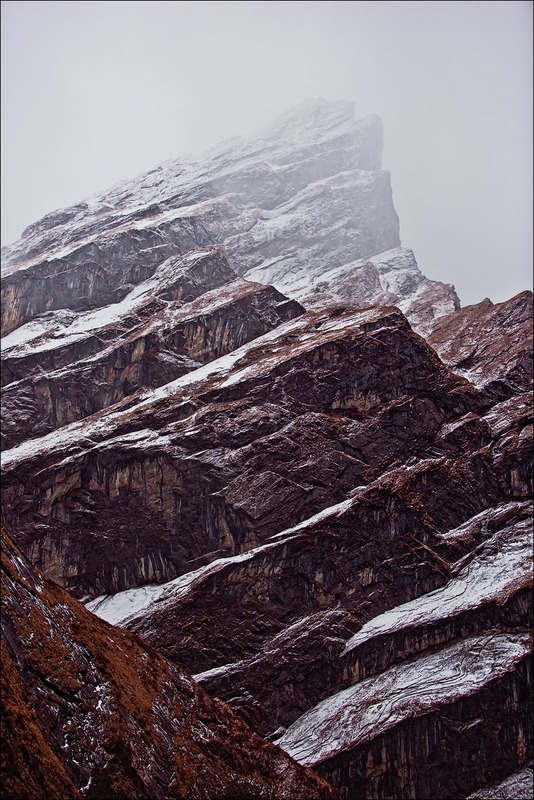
(324, 516)
(101, 714)
(224, 457)
(194, 309)
(489, 344)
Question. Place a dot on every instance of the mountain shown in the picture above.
(239, 423)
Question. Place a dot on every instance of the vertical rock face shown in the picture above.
(285, 489)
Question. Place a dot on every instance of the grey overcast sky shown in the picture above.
(94, 92)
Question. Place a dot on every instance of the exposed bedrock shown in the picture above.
(490, 344)
(223, 461)
(515, 786)
(289, 632)
(297, 669)
(484, 735)
(58, 339)
(96, 274)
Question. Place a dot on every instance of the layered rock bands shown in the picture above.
(241, 425)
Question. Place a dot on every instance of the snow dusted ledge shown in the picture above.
(368, 709)
(517, 786)
(501, 567)
(123, 606)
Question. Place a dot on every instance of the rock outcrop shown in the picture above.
(490, 344)
(92, 711)
(290, 492)
(194, 309)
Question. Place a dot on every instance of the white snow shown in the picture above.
(490, 576)
(121, 607)
(498, 515)
(68, 327)
(332, 511)
(214, 672)
(517, 786)
(375, 705)
(498, 418)
(118, 607)
(34, 329)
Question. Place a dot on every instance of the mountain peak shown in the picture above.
(241, 423)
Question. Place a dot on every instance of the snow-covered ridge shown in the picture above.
(304, 206)
(316, 122)
(502, 566)
(411, 689)
(252, 358)
(123, 606)
(66, 327)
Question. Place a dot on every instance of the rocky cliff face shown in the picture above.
(289, 491)
(92, 711)
(67, 367)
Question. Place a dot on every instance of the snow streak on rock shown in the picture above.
(373, 706)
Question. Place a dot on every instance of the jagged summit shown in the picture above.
(304, 206)
(311, 123)
(317, 120)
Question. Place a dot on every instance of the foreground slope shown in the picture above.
(91, 711)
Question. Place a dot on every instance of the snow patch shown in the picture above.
(488, 577)
(370, 708)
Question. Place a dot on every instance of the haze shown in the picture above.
(95, 92)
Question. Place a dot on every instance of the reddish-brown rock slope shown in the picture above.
(89, 710)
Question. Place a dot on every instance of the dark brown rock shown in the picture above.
(158, 342)
(490, 344)
(413, 759)
(220, 463)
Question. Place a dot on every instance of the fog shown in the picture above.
(95, 92)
